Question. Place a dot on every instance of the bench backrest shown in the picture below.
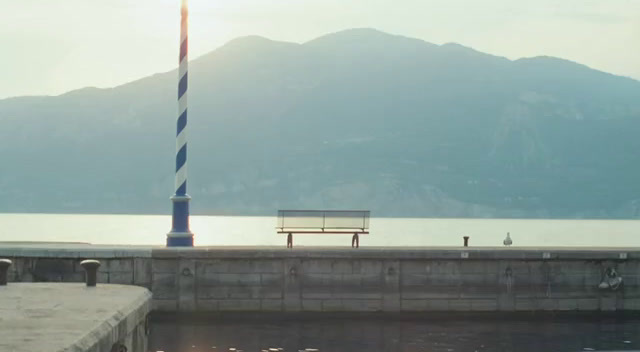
(324, 219)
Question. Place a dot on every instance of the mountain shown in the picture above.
(355, 119)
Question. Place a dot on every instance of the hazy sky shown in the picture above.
(50, 47)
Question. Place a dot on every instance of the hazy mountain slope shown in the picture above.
(355, 119)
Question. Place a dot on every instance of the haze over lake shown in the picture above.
(246, 230)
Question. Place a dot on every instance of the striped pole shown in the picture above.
(180, 234)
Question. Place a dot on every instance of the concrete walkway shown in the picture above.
(96, 251)
(72, 250)
(71, 317)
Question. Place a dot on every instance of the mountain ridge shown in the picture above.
(258, 38)
(396, 125)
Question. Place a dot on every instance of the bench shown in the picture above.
(353, 222)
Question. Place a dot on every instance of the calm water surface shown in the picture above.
(242, 230)
(337, 335)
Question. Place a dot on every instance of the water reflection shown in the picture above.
(395, 335)
(260, 231)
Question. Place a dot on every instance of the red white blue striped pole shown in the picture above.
(180, 234)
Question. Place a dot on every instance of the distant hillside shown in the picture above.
(355, 119)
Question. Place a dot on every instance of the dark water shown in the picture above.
(397, 335)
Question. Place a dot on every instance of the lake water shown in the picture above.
(396, 335)
(243, 230)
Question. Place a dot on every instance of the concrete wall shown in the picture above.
(366, 279)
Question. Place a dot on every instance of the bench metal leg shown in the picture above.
(290, 240)
(355, 241)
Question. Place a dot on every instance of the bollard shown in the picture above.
(4, 269)
(466, 241)
(91, 267)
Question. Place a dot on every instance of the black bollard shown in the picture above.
(466, 241)
(91, 267)
(4, 271)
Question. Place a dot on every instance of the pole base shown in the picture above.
(180, 239)
(180, 235)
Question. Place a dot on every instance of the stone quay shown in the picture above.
(73, 317)
(368, 279)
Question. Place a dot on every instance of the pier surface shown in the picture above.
(72, 317)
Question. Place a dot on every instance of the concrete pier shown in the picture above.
(369, 279)
(73, 317)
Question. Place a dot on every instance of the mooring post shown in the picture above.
(91, 268)
(466, 241)
(180, 235)
(4, 271)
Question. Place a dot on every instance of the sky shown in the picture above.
(51, 47)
